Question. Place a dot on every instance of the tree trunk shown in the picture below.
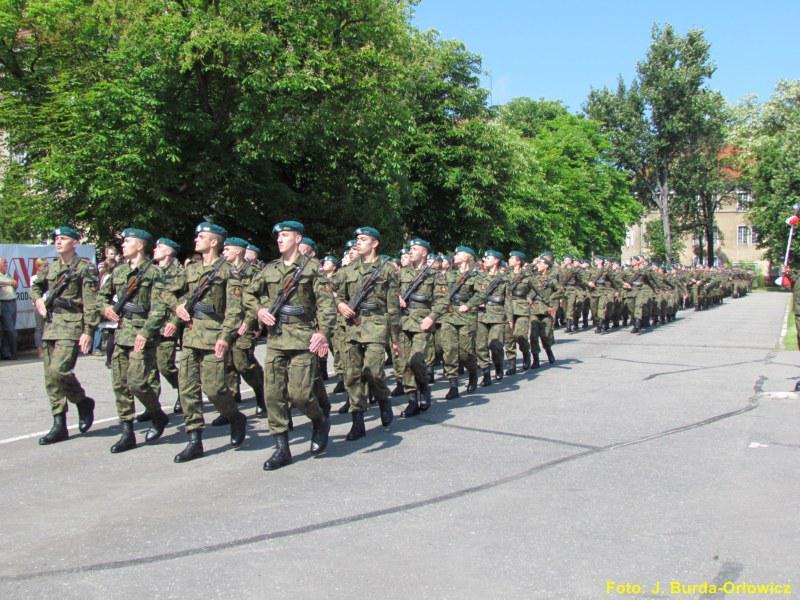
(706, 204)
(663, 205)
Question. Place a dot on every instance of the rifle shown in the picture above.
(202, 287)
(286, 292)
(130, 291)
(456, 287)
(364, 291)
(414, 285)
(493, 285)
(59, 288)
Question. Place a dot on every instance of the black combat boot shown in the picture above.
(237, 397)
(412, 408)
(371, 399)
(177, 409)
(339, 386)
(159, 422)
(85, 414)
(323, 368)
(453, 391)
(487, 377)
(512, 370)
(144, 417)
(345, 407)
(637, 325)
(220, 420)
(261, 405)
(324, 402)
(238, 428)
(357, 430)
(282, 456)
(526, 360)
(570, 326)
(127, 441)
(536, 362)
(431, 376)
(496, 350)
(387, 416)
(58, 432)
(424, 394)
(319, 434)
(550, 358)
(194, 449)
(472, 384)
(598, 327)
(398, 390)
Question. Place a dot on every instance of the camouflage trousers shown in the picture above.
(518, 334)
(289, 381)
(638, 303)
(486, 334)
(201, 371)
(245, 365)
(572, 306)
(602, 304)
(413, 343)
(541, 329)
(365, 369)
(133, 376)
(165, 360)
(60, 382)
(458, 345)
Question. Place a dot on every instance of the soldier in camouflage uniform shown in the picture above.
(295, 336)
(164, 258)
(330, 264)
(460, 322)
(243, 359)
(544, 295)
(572, 281)
(68, 328)
(492, 285)
(425, 306)
(252, 254)
(368, 318)
(518, 330)
(604, 284)
(138, 283)
(339, 336)
(209, 331)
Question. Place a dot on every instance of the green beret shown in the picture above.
(569, 256)
(135, 232)
(349, 244)
(288, 226)
(519, 254)
(212, 228)
(68, 231)
(370, 231)
(493, 252)
(546, 253)
(235, 241)
(420, 242)
(333, 259)
(254, 248)
(468, 250)
(309, 242)
(168, 242)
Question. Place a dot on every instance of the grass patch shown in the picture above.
(790, 341)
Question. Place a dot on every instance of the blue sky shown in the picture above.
(559, 50)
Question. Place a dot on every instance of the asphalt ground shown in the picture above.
(635, 461)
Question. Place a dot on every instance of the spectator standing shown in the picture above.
(8, 312)
(39, 268)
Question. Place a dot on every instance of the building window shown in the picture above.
(629, 237)
(743, 201)
(754, 236)
(743, 235)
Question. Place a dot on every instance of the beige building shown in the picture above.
(735, 241)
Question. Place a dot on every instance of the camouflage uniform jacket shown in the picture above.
(496, 308)
(466, 294)
(427, 301)
(379, 312)
(519, 291)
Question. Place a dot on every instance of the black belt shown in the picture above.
(419, 298)
(413, 304)
(372, 312)
(519, 294)
(206, 311)
(495, 301)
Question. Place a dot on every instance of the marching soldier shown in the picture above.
(572, 282)
(70, 314)
(291, 298)
(243, 359)
(367, 298)
(519, 326)
(251, 255)
(460, 323)
(492, 285)
(139, 312)
(545, 291)
(603, 283)
(212, 312)
(421, 306)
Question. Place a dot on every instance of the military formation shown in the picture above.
(471, 314)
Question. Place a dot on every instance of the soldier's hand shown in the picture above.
(85, 343)
(40, 307)
(138, 343)
(266, 317)
(110, 315)
(463, 308)
(627, 286)
(402, 302)
(182, 313)
(318, 345)
(395, 349)
(220, 348)
(170, 329)
(242, 329)
(426, 324)
(591, 284)
(345, 310)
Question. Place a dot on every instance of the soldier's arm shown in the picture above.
(439, 302)
(326, 308)
(509, 303)
(158, 309)
(393, 301)
(233, 308)
(39, 285)
(479, 295)
(252, 300)
(171, 291)
(91, 318)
